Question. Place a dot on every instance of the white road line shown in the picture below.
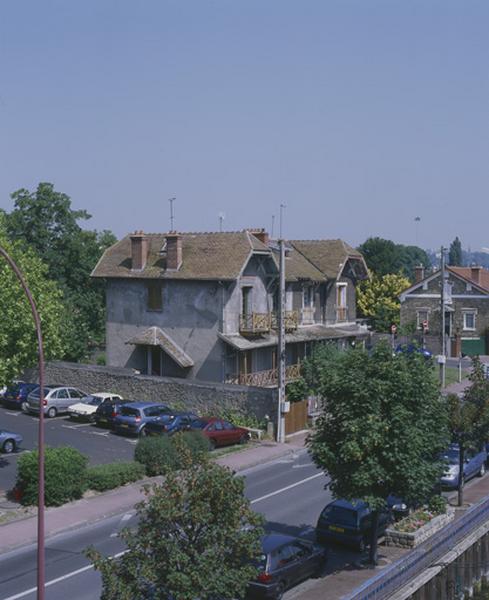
(14, 414)
(58, 579)
(289, 487)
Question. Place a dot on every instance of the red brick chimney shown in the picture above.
(261, 234)
(418, 273)
(173, 251)
(475, 274)
(139, 250)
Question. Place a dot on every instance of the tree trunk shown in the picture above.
(461, 460)
(373, 558)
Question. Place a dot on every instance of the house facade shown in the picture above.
(466, 302)
(204, 306)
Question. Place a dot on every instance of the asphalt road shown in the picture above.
(290, 493)
(100, 445)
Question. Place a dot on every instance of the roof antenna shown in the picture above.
(172, 217)
(282, 210)
(222, 216)
(273, 223)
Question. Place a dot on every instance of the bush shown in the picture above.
(242, 419)
(437, 505)
(64, 476)
(110, 476)
(162, 453)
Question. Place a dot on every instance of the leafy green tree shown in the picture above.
(455, 258)
(385, 257)
(469, 418)
(18, 339)
(194, 526)
(378, 299)
(382, 428)
(44, 221)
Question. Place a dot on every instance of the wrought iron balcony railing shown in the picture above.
(255, 323)
(291, 318)
(267, 378)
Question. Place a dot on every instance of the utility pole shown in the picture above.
(282, 208)
(443, 357)
(281, 344)
(221, 219)
(172, 218)
(273, 223)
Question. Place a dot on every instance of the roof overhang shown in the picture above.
(154, 336)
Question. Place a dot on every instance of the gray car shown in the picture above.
(57, 399)
(9, 441)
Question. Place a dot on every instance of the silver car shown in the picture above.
(57, 399)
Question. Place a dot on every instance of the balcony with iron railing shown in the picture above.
(291, 318)
(255, 323)
(268, 378)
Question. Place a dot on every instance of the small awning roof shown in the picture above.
(154, 336)
(301, 334)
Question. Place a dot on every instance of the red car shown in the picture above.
(220, 432)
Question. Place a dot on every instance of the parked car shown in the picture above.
(106, 412)
(475, 464)
(411, 348)
(349, 523)
(170, 423)
(9, 442)
(57, 399)
(87, 407)
(134, 416)
(16, 394)
(220, 432)
(286, 560)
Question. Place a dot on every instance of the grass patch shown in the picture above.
(451, 375)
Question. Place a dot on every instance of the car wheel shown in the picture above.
(482, 470)
(279, 594)
(143, 432)
(8, 446)
(52, 412)
(243, 439)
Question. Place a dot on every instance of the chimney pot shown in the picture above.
(475, 274)
(139, 250)
(418, 273)
(261, 235)
(173, 251)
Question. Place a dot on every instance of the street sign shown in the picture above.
(393, 328)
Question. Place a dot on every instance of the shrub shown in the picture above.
(64, 476)
(437, 505)
(242, 419)
(162, 453)
(110, 476)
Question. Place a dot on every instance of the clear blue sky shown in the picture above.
(358, 115)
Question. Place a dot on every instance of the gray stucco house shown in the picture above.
(204, 305)
(466, 309)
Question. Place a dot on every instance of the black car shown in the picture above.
(170, 424)
(17, 393)
(286, 561)
(107, 412)
(349, 523)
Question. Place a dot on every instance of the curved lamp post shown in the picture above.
(40, 509)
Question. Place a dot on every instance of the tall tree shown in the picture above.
(382, 428)
(44, 221)
(455, 258)
(378, 299)
(196, 537)
(384, 257)
(18, 340)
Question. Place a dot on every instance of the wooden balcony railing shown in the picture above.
(267, 378)
(255, 323)
(291, 318)
(341, 313)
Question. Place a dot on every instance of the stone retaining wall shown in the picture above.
(410, 540)
(201, 397)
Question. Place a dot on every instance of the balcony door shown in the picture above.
(245, 362)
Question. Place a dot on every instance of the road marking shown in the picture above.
(58, 579)
(14, 414)
(303, 466)
(289, 487)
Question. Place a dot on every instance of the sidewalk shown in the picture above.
(101, 506)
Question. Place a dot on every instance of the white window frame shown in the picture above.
(469, 311)
(419, 322)
(342, 295)
(308, 289)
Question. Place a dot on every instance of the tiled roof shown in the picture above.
(219, 255)
(328, 256)
(154, 336)
(297, 267)
(466, 273)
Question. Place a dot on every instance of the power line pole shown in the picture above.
(282, 208)
(281, 344)
(172, 218)
(442, 308)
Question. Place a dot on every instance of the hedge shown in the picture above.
(110, 476)
(64, 476)
(161, 453)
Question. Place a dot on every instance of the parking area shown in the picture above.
(100, 445)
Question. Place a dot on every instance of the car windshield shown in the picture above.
(198, 424)
(93, 400)
(128, 411)
(338, 514)
(38, 389)
(451, 456)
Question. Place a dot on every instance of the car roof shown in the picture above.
(104, 395)
(143, 404)
(350, 505)
(272, 541)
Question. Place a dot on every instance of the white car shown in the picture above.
(89, 404)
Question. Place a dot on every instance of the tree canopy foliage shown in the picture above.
(196, 537)
(382, 428)
(455, 255)
(18, 339)
(378, 299)
(45, 222)
(385, 257)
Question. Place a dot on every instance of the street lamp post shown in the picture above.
(40, 509)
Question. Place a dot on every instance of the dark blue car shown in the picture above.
(474, 464)
(169, 424)
(135, 416)
(17, 393)
(412, 348)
